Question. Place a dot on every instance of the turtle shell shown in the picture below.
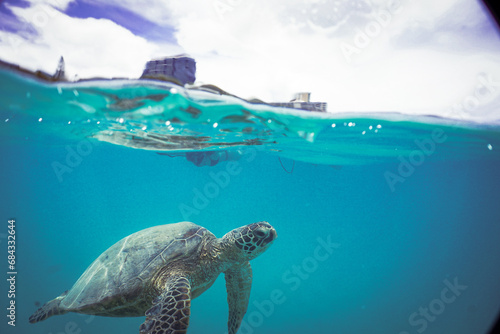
(118, 276)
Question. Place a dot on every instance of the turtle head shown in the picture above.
(249, 241)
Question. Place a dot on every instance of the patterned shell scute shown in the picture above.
(126, 267)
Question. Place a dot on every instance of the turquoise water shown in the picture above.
(386, 223)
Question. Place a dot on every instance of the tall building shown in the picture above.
(301, 101)
(181, 67)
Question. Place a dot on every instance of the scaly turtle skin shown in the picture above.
(158, 271)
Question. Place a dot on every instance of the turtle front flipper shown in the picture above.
(238, 286)
(171, 310)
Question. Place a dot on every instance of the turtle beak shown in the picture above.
(272, 235)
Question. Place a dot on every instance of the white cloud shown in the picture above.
(59, 4)
(91, 47)
(424, 57)
(254, 49)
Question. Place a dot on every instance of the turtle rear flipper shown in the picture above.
(48, 309)
(171, 310)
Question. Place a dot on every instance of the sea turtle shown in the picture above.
(157, 271)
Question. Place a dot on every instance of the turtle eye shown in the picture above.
(260, 233)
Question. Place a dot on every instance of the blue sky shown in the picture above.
(421, 57)
(134, 22)
(128, 19)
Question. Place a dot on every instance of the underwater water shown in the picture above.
(386, 223)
